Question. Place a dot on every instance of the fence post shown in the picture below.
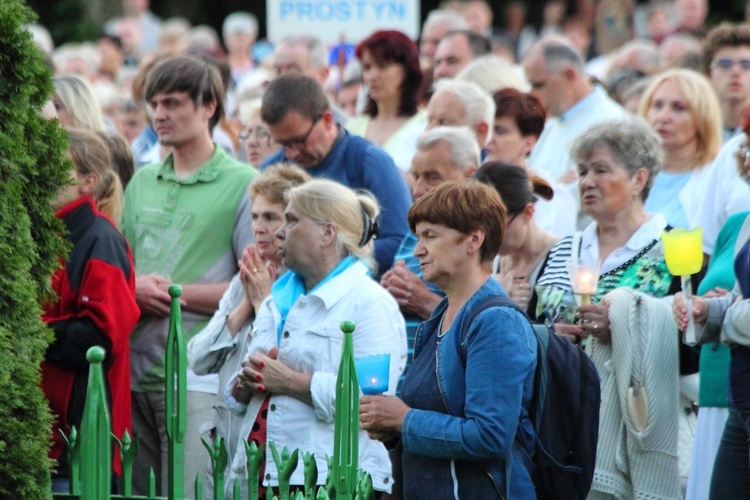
(96, 450)
(176, 397)
(346, 422)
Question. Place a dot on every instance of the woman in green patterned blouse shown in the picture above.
(616, 163)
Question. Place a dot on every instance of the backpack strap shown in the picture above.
(493, 301)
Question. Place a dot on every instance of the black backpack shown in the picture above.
(564, 411)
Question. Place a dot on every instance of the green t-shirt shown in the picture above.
(190, 230)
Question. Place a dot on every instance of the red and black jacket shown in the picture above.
(95, 305)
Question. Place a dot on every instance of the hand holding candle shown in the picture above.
(684, 256)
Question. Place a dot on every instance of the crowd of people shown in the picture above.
(286, 193)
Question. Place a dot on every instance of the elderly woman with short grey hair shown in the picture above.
(632, 336)
(617, 162)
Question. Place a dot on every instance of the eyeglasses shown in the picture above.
(262, 135)
(298, 143)
(744, 152)
(727, 64)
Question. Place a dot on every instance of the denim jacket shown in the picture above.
(486, 400)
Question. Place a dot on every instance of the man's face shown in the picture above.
(305, 141)
(728, 76)
(691, 13)
(134, 7)
(177, 120)
(432, 167)
(294, 59)
(547, 87)
(452, 55)
(445, 109)
(429, 40)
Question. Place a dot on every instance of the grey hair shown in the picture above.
(558, 54)
(477, 104)
(632, 143)
(240, 22)
(465, 153)
(452, 19)
(316, 50)
(492, 73)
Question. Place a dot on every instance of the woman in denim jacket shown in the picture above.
(464, 409)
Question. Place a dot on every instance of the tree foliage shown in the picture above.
(32, 167)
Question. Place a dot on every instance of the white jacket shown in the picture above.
(311, 343)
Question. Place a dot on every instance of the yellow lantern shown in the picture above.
(683, 251)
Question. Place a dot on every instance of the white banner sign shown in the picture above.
(331, 20)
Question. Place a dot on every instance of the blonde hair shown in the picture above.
(276, 180)
(91, 155)
(703, 105)
(80, 102)
(325, 201)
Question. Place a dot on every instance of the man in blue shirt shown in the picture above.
(299, 118)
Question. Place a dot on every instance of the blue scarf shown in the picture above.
(290, 287)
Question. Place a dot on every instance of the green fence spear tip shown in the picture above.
(199, 487)
(322, 493)
(254, 461)
(285, 466)
(347, 326)
(311, 473)
(236, 491)
(95, 354)
(128, 451)
(152, 483)
(175, 291)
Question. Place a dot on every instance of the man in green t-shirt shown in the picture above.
(188, 221)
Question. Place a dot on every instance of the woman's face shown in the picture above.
(257, 141)
(516, 230)
(267, 219)
(298, 239)
(605, 186)
(62, 112)
(670, 116)
(70, 191)
(441, 251)
(383, 79)
(507, 144)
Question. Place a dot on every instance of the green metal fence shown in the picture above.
(89, 450)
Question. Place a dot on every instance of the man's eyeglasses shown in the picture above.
(744, 152)
(727, 64)
(262, 135)
(298, 143)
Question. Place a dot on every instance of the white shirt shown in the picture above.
(311, 343)
(644, 235)
(551, 153)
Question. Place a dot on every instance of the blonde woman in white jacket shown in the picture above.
(287, 384)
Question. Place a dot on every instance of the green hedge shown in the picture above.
(32, 167)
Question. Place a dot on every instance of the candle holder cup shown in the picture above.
(584, 278)
(372, 372)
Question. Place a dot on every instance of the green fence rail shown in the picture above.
(89, 451)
